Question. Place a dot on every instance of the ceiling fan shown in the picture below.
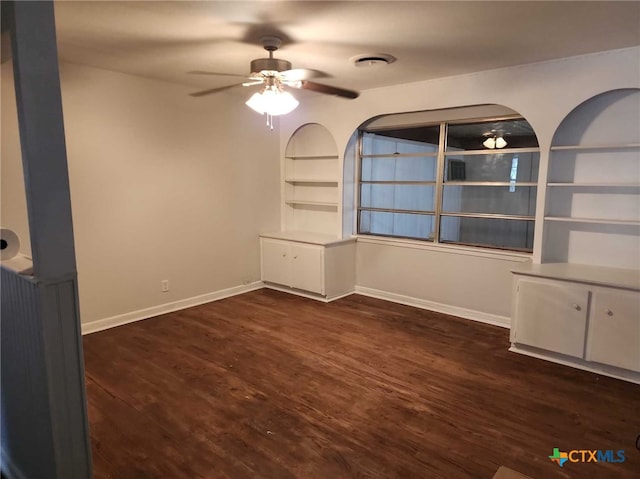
(275, 74)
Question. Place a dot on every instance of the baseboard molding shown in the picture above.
(305, 294)
(133, 316)
(112, 322)
(8, 467)
(493, 319)
(297, 292)
(577, 363)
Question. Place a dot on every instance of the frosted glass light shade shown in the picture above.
(273, 102)
(493, 142)
(489, 143)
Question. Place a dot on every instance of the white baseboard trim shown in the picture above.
(112, 322)
(597, 368)
(305, 294)
(488, 318)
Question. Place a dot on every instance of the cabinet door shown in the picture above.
(276, 261)
(552, 316)
(307, 268)
(614, 329)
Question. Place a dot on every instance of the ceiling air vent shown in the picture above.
(372, 60)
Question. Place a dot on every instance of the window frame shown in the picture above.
(441, 155)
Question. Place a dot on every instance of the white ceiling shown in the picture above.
(165, 40)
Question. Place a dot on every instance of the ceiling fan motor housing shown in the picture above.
(269, 64)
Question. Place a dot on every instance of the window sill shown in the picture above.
(446, 248)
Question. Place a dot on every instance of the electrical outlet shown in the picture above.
(164, 285)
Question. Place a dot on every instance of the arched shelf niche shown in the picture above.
(592, 212)
(311, 181)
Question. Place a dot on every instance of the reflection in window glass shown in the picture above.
(399, 169)
(515, 133)
(403, 225)
(488, 232)
(494, 167)
(402, 140)
(498, 200)
(397, 196)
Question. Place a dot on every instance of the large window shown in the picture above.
(471, 183)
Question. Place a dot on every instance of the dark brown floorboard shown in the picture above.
(271, 385)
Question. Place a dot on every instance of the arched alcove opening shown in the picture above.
(592, 213)
(311, 176)
(465, 176)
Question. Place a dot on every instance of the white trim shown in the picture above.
(577, 363)
(112, 322)
(488, 318)
(306, 294)
(446, 248)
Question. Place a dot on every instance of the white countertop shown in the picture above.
(307, 237)
(597, 275)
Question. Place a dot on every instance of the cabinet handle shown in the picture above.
(608, 312)
(295, 257)
(576, 306)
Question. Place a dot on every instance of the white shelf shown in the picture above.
(318, 157)
(603, 221)
(311, 180)
(312, 203)
(595, 147)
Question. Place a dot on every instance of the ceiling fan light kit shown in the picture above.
(275, 74)
(494, 142)
(272, 101)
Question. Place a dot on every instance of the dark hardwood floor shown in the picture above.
(270, 385)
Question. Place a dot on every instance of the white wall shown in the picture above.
(163, 186)
(544, 93)
(13, 201)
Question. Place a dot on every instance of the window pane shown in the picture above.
(492, 167)
(405, 225)
(490, 199)
(483, 171)
(471, 136)
(398, 169)
(402, 140)
(399, 197)
(498, 233)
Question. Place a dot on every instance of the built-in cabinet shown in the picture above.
(310, 263)
(581, 305)
(309, 256)
(585, 316)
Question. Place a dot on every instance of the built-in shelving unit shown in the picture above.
(311, 182)
(592, 213)
(309, 256)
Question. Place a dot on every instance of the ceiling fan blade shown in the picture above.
(299, 74)
(214, 90)
(202, 72)
(329, 90)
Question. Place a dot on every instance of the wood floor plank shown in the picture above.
(271, 385)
